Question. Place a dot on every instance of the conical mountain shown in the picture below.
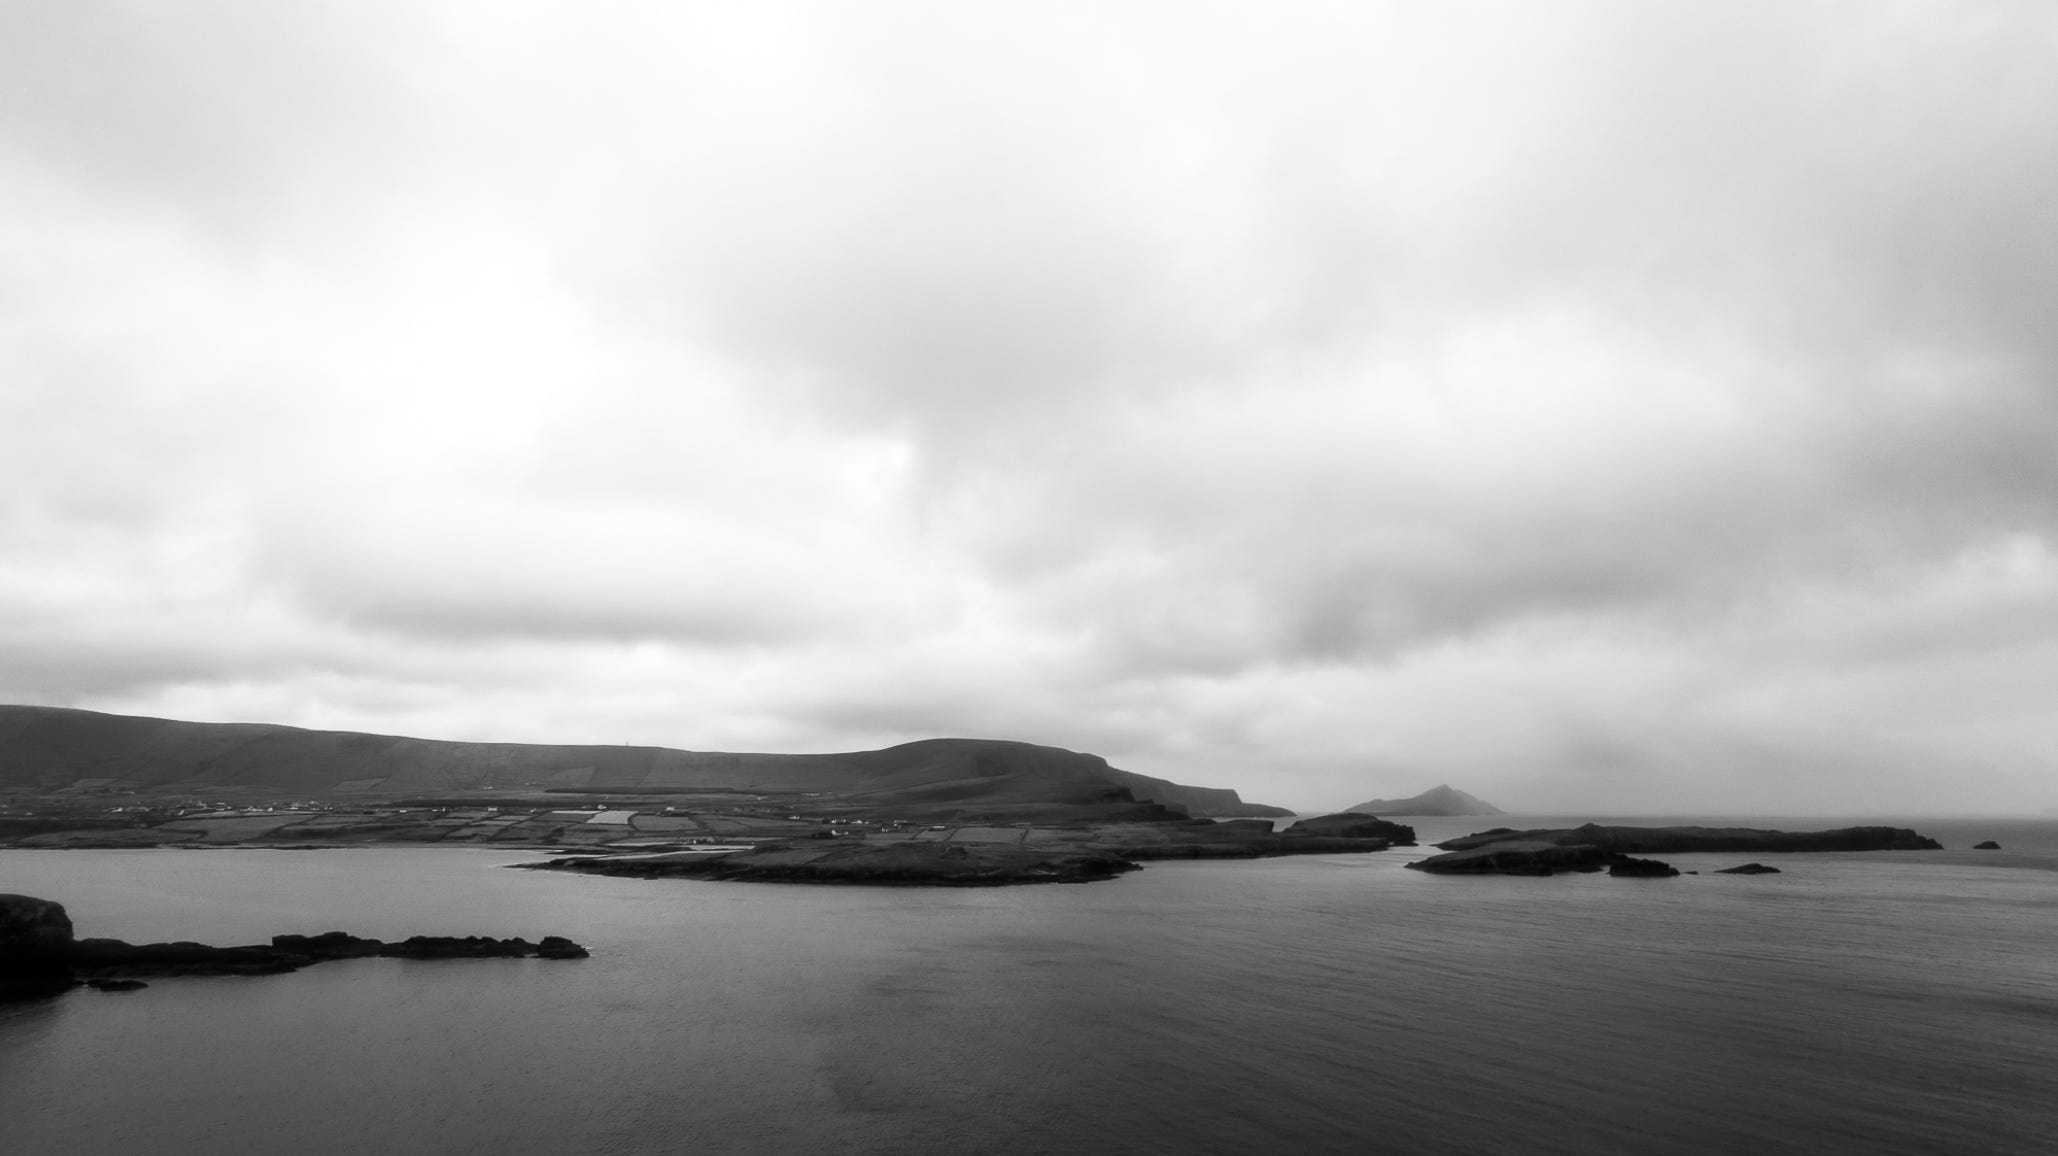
(1443, 799)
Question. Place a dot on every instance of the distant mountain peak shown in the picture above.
(1442, 799)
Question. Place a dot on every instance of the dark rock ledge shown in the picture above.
(39, 957)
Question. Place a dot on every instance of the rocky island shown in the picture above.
(39, 956)
(1593, 847)
(996, 856)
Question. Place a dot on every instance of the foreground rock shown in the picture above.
(35, 937)
(39, 957)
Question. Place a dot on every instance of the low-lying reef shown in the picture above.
(1594, 847)
(39, 956)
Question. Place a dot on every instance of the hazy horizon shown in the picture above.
(1588, 404)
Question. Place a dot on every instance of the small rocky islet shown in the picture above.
(39, 956)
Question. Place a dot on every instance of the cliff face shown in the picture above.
(1200, 802)
(50, 747)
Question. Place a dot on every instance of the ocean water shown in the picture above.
(1866, 1003)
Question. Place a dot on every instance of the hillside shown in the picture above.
(1439, 800)
(53, 748)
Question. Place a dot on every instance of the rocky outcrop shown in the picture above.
(1989, 845)
(1642, 868)
(1354, 825)
(35, 947)
(1442, 799)
(1749, 869)
(39, 957)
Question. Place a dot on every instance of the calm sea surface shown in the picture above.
(1864, 1003)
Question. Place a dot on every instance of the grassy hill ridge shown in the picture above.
(52, 748)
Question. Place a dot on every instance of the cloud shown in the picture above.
(1600, 406)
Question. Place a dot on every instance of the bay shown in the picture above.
(1882, 1002)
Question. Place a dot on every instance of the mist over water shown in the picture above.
(1884, 1002)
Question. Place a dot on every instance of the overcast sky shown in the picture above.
(1614, 406)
